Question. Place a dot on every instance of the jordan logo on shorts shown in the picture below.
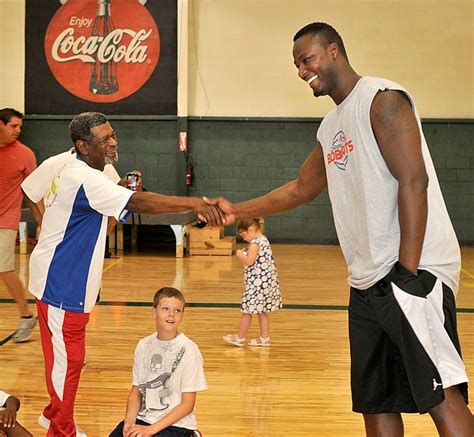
(436, 384)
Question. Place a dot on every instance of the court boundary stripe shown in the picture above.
(467, 273)
(225, 305)
(7, 339)
(214, 305)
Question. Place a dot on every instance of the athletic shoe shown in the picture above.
(44, 423)
(25, 329)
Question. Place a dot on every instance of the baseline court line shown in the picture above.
(224, 305)
(467, 273)
(215, 305)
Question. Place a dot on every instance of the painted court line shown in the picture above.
(108, 267)
(7, 339)
(467, 273)
(214, 305)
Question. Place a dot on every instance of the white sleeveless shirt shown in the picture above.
(363, 195)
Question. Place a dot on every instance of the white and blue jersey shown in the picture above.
(38, 185)
(66, 264)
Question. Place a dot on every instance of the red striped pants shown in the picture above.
(63, 341)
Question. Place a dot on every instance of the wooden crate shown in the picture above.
(205, 234)
(224, 246)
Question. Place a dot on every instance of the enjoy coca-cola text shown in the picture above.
(106, 48)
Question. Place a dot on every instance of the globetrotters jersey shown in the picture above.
(66, 264)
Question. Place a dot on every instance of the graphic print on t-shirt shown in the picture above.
(156, 390)
(340, 149)
(52, 193)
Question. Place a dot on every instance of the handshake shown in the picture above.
(216, 211)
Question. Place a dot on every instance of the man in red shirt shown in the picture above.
(16, 161)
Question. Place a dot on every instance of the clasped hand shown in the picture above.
(139, 431)
(216, 211)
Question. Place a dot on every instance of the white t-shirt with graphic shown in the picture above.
(162, 371)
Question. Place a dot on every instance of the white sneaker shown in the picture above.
(25, 329)
(44, 423)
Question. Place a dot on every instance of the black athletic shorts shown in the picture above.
(404, 344)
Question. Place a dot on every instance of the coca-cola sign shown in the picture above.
(102, 50)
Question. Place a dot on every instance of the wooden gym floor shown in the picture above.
(298, 387)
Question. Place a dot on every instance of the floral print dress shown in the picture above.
(262, 286)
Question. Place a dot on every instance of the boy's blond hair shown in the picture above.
(167, 292)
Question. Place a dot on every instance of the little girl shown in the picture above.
(262, 288)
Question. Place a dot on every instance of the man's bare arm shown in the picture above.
(310, 182)
(397, 133)
(154, 203)
(37, 209)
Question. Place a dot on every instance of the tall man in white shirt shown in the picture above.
(66, 264)
(396, 235)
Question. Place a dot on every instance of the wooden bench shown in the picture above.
(178, 222)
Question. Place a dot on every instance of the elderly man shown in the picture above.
(66, 265)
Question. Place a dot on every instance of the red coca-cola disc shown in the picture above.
(102, 59)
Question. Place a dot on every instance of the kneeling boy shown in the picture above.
(167, 374)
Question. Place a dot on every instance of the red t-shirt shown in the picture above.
(16, 162)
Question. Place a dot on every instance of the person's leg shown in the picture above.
(383, 425)
(118, 431)
(27, 320)
(245, 322)
(7, 270)
(16, 289)
(174, 431)
(264, 323)
(63, 341)
(264, 339)
(14, 285)
(452, 417)
(380, 390)
(16, 431)
(239, 339)
(437, 377)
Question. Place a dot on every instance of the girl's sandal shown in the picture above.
(234, 340)
(261, 342)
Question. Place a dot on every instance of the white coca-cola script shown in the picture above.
(105, 49)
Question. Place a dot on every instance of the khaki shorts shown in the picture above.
(7, 249)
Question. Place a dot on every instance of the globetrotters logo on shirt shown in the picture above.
(341, 147)
(102, 50)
